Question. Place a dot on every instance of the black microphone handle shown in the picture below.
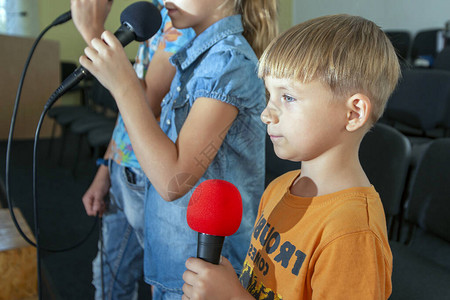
(62, 18)
(68, 83)
(209, 247)
(124, 34)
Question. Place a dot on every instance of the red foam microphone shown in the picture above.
(214, 211)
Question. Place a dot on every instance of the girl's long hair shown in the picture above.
(260, 21)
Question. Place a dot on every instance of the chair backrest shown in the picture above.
(425, 44)
(428, 206)
(442, 61)
(421, 99)
(67, 67)
(276, 166)
(385, 155)
(102, 97)
(401, 40)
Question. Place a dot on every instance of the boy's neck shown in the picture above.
(333, 171)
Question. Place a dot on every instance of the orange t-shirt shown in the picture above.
(328, 247)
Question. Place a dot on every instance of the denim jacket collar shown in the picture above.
(213, 34)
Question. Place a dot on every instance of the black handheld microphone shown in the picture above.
(214, 211)
(140, 21)
(62, 18)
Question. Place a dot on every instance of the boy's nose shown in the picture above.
(269, 115)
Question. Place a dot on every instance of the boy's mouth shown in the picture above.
(274, 137)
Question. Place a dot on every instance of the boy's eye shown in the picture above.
(287, 98)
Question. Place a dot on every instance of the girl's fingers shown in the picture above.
(85, 61)
(90, 53)
(110, 39)
(98, 44)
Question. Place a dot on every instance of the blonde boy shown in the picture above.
(320, 232)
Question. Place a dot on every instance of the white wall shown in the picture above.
(19, 17)
(412, 15)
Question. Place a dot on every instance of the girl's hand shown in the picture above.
(204, 280)
(94, 198)
(108, 62)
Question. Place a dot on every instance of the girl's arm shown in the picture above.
(163, 161)
(157, 81)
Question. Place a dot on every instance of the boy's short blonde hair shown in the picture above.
(348, 53)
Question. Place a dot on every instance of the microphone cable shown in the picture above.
(59, 20)
(35, 202)
(134, 27)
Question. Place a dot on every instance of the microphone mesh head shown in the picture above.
(143, 17)
(215, 208)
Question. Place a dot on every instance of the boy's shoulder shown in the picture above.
(354, 212)
(353, 209)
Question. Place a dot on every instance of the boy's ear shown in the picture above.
(359, 109)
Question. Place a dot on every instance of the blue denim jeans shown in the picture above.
(123, 233)
(162, 294)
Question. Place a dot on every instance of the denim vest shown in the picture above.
(217, 64)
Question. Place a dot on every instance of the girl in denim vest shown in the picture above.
(209, 126)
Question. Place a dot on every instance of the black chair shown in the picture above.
(63, 115)
(276, 166)
(401, 40)
(428, 206)
(99, 138)
(442, 61)
(103, 119)
(422, 254)
(424, 45)
(385, 155)
(420, 105)
(105, 112)
(414, 277)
